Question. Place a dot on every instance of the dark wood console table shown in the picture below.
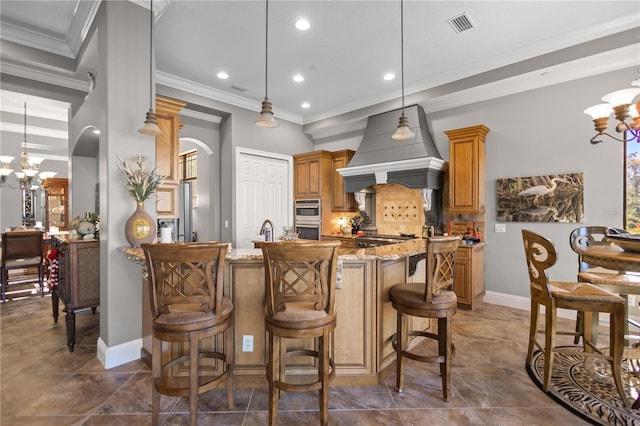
(78, 280)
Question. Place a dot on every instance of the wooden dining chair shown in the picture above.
(433, 298)
(578, 296)
(619, 282)
(22, 250)
(300, 282)
(188, 306)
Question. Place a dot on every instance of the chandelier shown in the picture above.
(620, 103)
(29, 174)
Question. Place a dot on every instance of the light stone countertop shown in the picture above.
(388, 252)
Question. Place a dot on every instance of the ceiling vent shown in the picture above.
(461, 23)
(239, 88)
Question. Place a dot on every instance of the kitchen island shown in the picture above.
(366, 319)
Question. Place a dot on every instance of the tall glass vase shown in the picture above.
(140, 227)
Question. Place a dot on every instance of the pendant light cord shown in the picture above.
(25, 127)
(151, 57)
(402, 50)
(266, 50)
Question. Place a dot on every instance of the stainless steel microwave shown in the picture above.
(307, 211)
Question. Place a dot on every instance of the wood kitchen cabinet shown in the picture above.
(316, 177)
(167, 152)
(467, 170)
(468, 282)
(313, 174)
(341, 201)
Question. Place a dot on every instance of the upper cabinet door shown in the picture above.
(167, 152)
(467, 170)
(341, 201)
(312, 174)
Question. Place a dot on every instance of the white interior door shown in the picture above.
(264, 191)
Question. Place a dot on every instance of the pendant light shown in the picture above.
(265, 118)
(150, 127)
(403, 132)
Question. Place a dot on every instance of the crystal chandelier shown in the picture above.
(626, 112)
(29, 174)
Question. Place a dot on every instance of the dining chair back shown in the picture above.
(300, 283)
(188, 306)
(22, 250)
(540, 256)
(433, 298)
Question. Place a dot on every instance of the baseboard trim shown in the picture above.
(120, 354)
(524, 303)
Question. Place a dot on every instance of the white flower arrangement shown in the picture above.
(140, 184)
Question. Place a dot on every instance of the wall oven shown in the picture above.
(308, 231)
(307, 211)
(308, 219)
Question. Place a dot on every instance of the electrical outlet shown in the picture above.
(500, 227)
(247, 343)
(339, 275)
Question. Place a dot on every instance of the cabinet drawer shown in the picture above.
(463, 253)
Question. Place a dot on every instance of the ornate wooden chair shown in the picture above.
(614, 281)
(579, 296)
(432, 299)
(186, 283)
(300, 280)
(22, 250)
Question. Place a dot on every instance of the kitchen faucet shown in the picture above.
(267, 230)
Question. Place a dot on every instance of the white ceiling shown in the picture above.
(515, 46)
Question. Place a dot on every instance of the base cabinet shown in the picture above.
(78, 281)
(469, 276)
(365, 320)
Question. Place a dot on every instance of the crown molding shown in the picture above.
(188, 86)
(186, 112)
(44, 77)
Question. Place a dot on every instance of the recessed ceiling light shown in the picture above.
(222, 75)
(305, 105)
(302, 24)
(298, 78)
(389, 76)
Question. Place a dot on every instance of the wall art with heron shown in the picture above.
(545, 198)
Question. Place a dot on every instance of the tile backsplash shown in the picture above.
(398, 209)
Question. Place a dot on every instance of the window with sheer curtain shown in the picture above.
(188, 172)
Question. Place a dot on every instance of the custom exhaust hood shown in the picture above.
(415, 163)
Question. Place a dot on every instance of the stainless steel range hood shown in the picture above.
(415, 163)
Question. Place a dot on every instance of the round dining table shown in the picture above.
(616, 258)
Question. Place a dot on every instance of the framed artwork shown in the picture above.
(546, 198)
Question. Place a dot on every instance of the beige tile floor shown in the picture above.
(44, 384)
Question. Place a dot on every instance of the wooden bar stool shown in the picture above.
(578, 296)
(300, 280)
(430, 299)
(186, 283)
